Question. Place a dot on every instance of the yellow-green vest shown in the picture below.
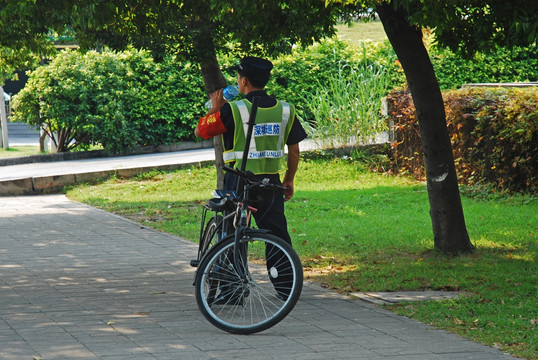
(269, 136)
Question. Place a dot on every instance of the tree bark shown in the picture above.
(448, 222)
(4, 139)
(214, 80)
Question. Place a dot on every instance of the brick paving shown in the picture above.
(80, 283)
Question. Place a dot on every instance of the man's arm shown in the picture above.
(293, 164)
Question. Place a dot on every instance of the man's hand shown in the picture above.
(217, 100)
(288, 193)
(293, 162)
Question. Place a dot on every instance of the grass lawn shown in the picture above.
(360, 31)
(22, 150)
(26, 150)
(380, 239)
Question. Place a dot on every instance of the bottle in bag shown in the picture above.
(228, 93)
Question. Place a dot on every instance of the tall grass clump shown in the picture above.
(346, 108)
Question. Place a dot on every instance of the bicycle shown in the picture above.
(247, 280)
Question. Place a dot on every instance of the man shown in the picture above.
(275, 126)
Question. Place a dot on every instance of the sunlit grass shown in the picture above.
(27, 150)
(362, 31)
(19, 150)
(360, 231)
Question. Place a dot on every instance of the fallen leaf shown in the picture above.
(458, 321)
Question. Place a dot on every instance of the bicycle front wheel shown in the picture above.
(254, 292)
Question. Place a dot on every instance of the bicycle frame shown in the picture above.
(242, 220)
(241, 217)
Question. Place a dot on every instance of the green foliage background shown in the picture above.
(116, 99)
(125, 99)
(519, 64)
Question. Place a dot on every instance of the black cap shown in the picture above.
(254, 67)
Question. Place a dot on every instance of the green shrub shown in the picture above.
(123, 99)
(175, 102)
(307, 70)
(55, 96)
(116, 99)
(493, 133)
(502, 65)
(114, 90)
(337, 87)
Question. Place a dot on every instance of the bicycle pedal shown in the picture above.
(195, 263)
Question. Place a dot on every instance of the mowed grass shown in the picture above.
(27, 150)
(360, 231)
(19, 150)
(361, 31)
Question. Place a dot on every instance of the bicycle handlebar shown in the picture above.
(252, 179)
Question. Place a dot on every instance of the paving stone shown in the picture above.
(79, 283)
(384, 298)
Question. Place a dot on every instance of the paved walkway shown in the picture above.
(80, 283)
(42, 177)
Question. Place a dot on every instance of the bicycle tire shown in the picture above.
(210, 235)
(264, 298)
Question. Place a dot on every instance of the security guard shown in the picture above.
(276, 125)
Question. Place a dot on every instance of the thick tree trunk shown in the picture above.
(214, 80)
(449, 230)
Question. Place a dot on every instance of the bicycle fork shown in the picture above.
(241, 222)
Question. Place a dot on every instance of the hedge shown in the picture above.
(493, 133)
(122, 99)
(116, 99)
(519, 64)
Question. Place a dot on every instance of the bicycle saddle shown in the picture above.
(223, 200)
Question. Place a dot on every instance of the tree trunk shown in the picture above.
(4, 138)
(214, 80)
(449, 230)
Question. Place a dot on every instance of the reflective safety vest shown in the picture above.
(269, 136)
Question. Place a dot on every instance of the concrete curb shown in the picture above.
(57, 183)
(80, 155)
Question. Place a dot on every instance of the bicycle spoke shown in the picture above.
(266, 294)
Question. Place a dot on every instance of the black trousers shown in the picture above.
(270, 205)
(269, 216)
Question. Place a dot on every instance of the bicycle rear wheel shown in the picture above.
(266, 294)
(210, 235)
